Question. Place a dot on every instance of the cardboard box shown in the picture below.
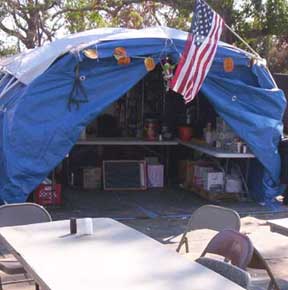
(155, 175)
(233, 185)
(199, 174)
(92, 177)
(181, 171)
(214, 181)
(186, 172)
(46, 194)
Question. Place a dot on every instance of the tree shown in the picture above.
(28, 20)
(264, 26)
(7, 50)
(262, 23)
(35, 21)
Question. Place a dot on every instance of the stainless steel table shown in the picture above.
(115, 257)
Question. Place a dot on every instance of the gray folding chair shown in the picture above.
(14, 215)
(23, 214)
(229, 271)
(210, 217)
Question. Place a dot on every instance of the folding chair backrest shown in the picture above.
(22, 214)
(233, 246)
(214, 218)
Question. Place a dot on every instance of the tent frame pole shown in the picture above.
(3, 78)
(9, 86)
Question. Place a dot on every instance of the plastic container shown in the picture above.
(46, 194)
(185, 133)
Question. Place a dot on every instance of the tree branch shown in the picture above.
(12, 32)
(18, 24)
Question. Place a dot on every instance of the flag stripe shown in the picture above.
(199, 51)
(207, 65)
(199, 57)
(186, 70)
(203, 63)
(178, 75)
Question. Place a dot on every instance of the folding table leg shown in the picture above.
(186, 245)
(182, 241)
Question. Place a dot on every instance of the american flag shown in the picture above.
(199, 51)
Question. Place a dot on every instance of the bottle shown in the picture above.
(73, 226)
(208, 134)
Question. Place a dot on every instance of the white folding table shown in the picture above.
(115, 257)
(279, 226)
(222, 154)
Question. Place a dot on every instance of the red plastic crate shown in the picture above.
(46, 195)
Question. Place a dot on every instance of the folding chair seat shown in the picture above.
(229, 271)
(237, 248)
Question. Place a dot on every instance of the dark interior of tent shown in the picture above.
(125, 118)
(148, 103)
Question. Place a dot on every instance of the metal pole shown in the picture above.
(238, 36)
(142, 104)
(8, 87)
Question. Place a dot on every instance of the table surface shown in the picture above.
(125, 141)
(218, 153)
(279, 226)
(212, 151)
(114, 257)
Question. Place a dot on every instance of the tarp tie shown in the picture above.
(77, 88)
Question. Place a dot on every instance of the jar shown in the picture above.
(185, 133)
(151, 129)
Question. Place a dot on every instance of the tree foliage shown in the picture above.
(264, 26)
(262, 23)
(7, 50)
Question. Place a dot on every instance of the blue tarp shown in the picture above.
(38, 130)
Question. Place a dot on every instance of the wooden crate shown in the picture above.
(214, 196)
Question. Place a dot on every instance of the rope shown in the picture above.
(77, 87)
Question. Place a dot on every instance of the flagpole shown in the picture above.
(237, 35)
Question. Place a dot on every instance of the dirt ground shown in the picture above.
(164, 216)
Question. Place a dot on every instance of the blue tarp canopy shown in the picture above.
(38, 129)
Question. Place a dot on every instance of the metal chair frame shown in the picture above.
(210, 217)
(21, 220)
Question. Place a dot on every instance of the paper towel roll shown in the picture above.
(85, 226)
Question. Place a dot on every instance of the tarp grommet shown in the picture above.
(82, 78)
(234, 98)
